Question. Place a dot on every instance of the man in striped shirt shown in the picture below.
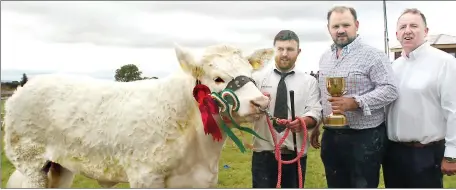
(352, 155)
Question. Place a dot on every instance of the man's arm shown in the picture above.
(385, 92)
(313, 116)
(448, 102)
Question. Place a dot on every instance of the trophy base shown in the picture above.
(335, 122)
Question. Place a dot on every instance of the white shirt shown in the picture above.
(307, 103)
(426, 108)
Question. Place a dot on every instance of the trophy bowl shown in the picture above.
(336, 88)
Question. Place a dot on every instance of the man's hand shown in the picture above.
(448, 168)
(342, 104)
(295, 125)
(315, 138)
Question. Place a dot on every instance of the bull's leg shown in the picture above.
(35, 179)
(60, 177)
(147, 180)
(15, 180)
(28, 160)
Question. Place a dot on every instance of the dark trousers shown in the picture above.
(352, 158)
(406, 166)
(265, 170)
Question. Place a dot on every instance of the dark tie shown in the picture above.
(281, 108)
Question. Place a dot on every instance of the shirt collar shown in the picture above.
(275, 67)
(348, 47)
(415, 53)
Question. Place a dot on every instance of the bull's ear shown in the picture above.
(187, 61)
(260, 58)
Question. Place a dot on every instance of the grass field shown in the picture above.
(237, 175)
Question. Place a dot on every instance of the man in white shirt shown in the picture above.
(424, 115)
(307, 106)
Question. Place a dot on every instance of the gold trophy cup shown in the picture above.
(336, 88)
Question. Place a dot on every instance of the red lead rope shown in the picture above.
(278, 155)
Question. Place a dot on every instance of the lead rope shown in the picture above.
(278, 155)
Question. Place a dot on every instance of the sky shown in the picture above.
(96, 38)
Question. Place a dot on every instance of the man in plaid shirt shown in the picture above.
(352, 156)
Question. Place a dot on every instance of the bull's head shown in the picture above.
(224, 67)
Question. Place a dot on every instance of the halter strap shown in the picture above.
(236, 83)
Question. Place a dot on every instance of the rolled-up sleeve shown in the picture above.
(448, 102)
(313, 103)
(384, 81)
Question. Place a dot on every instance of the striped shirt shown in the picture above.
(369, 79)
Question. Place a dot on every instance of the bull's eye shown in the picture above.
(219, 80)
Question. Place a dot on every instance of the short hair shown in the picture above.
(341, 9)
(285, 35)
(416, 12)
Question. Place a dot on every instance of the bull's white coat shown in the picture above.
(147, 133)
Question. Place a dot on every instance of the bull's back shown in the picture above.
(51, 101)
(90, 125)
(66, 117)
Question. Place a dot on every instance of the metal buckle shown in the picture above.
(266, 111)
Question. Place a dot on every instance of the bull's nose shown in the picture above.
(262, 102)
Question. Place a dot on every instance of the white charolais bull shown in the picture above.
(146, 133)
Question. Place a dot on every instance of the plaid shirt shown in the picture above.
(369, 79)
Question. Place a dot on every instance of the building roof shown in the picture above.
(438, 40)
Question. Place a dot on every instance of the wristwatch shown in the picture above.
(450, 160)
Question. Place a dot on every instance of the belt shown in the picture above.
(284, 151)
(416, 144)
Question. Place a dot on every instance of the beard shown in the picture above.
(343, 43)
(284, 63)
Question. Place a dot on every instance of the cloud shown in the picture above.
(283, 10)
(95, 38)
(159, 24)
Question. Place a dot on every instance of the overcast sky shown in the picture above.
(96, 38)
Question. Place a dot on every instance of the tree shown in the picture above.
(14, 84)
(127, 73)
(145, 78)
(24, 79)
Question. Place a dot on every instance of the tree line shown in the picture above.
(14, 84)
(126, 73)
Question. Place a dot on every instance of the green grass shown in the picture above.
(238, 175)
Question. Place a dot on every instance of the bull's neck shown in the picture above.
(207, 143)
(208, 149)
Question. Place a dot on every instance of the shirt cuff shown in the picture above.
(313, 116)
(450, 152)
(362, 105)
